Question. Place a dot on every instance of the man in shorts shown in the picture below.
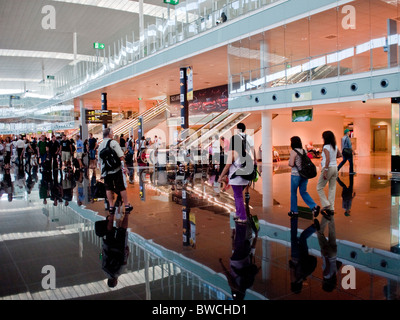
(79, 151)
(114, 180)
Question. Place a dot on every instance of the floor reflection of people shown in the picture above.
(55, 189)
(68, 184)
(7, 184)
(115, 250)
(330, 264)
(302, 264)
(44, 186)
(347, 194)
(243, 269)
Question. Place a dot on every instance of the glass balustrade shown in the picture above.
(189, 19)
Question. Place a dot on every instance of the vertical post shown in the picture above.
(104, 106)
(84, 126)
(140, 127)
(185, 216)
(183, 100)
(392, 46)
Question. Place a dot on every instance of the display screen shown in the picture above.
(302, 115)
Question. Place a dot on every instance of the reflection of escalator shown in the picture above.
(320, 72)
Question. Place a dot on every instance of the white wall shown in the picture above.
(283, 129)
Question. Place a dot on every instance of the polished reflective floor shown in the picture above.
(47, 228)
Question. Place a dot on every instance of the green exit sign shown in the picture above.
(98, 45)
(171, 1)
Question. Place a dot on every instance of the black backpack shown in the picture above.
(110, 158)
(248, 169)
(308, 169)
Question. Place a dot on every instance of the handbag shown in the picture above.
(347, 152)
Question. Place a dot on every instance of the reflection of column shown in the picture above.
(263, 59)
(266, 259)
(266, 136)
(141, 29)
(146, 276)
(362, 132)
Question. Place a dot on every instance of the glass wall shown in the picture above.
(171, 26)
(360, 36)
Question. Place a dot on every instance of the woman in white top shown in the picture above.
(329, 173)
(8, 152)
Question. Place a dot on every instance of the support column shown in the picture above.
(362, 132)
(267, 160)
(266, 136)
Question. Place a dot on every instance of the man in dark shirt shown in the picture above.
(92, 151)
(53, 149)
(66, 150)
(122, 143)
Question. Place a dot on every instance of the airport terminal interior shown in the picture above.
(173, 82)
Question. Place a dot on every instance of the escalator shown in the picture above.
(151, 118)
(218, 126)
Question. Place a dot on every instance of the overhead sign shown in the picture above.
(50, 77)
(98, 45)
(98, 116)
(174, 2)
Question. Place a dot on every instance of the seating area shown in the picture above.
(284, 151)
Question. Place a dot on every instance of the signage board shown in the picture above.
(98, 116)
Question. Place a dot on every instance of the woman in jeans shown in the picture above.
(328, 174)
(297, 181)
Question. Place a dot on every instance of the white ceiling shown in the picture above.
(21, 29)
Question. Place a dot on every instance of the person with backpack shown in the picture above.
(329, 173)
(301, 264)
(243, 270)
(113, 170)
(297, 181)
(115, 249)
(240, 165)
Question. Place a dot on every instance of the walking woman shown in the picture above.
(328, 174)
(297, 181)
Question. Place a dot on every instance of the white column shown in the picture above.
(141, 28)
(362, 132)
(267, 160)
(266, 136)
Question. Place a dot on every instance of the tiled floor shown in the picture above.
(24, 250)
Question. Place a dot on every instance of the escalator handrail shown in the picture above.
(202, 127)
(217, 126)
